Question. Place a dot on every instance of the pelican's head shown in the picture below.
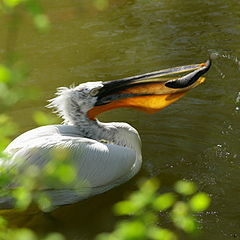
(149, 92)
(71, 103)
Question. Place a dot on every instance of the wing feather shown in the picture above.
(97, 164)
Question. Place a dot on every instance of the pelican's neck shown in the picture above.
(118, 133)
(114, 132)
(69, 109)
(93, 129)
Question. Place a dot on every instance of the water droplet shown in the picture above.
(214, 55)
(222, 75)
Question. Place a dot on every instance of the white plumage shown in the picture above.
(104, 155)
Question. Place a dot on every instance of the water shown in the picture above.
(196, 138)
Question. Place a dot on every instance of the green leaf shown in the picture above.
(23, 197)
(7, 126)
(134, 230)
(44, 202)
(199, 202)
(150, 186)
(4, 142)
(186, 223)
(12, 3)
(5, 178)
(66, 173)
(140, 200)
(41, 22)
(3, 222)
(5, 74)
(54, 236)
(101, 4)
(180, 209)
(157, 233)
(148, 217)
(164, 201)
(182, 218)
(124, 208)
(42, 118)
(23, 234)
(185, 187)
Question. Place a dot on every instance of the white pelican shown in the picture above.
(104, 155)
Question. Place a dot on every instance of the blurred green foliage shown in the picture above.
(199, 202)
(185, 187)
(12, 76)
(10, 79)
(101, 4)
(33, 7)
(24, 234)
(145, 207)
(42, 118)
(7, 129)
(31, 183)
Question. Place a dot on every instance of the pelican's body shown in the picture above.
(99, 165)
(103, 155)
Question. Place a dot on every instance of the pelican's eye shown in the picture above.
(94, 92)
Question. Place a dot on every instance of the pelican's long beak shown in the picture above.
(149, 92)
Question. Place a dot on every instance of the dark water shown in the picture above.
(196, 138)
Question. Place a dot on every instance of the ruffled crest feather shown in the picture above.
(60, 102)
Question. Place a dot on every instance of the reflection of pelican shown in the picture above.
(103, 154)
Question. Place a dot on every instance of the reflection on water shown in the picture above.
(197, 138)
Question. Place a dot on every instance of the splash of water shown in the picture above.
(224, 55)
(215, 55)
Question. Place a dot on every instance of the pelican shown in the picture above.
(104, 155)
